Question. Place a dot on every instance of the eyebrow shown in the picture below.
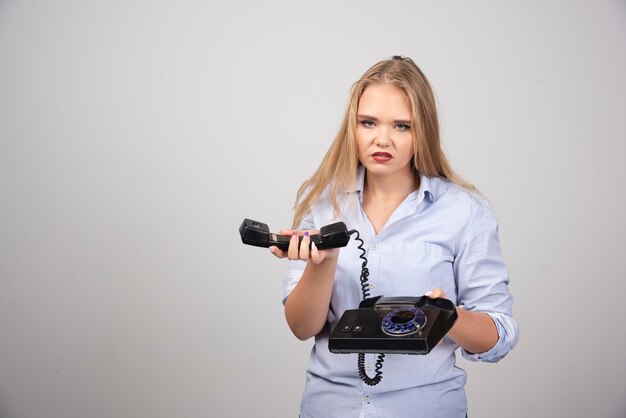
(368, 117)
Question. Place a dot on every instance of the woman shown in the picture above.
(427, 232)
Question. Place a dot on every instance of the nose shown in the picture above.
(383, 139)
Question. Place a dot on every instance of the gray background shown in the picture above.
(136, 135)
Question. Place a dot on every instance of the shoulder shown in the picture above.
(465, 211)
(448, 194)
(321, 211)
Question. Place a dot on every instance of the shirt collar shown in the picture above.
(360, 180)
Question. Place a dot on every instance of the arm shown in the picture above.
(475, 332)
(306, 308)
(485, 328)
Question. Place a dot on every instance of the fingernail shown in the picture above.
(429, 293)
(294, 234)
(306, 234)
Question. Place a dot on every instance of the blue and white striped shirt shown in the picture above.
(441, 236)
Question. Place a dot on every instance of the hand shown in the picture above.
(435, 293)
(300, 250)
(475, 331)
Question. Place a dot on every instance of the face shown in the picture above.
(383, 134)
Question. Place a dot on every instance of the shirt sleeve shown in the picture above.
(292, 277)
(482, 281)
(507, 338)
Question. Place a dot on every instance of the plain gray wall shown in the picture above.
(136, 135)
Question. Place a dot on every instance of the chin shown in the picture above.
(387, 169)
(381, 171)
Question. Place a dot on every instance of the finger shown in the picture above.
(304, 246)
(292, 252)
(316, 256)
(435, 293)
(278, 252)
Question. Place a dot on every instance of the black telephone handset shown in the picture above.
(258, 234)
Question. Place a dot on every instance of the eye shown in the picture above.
(367, 123)
(403, 127)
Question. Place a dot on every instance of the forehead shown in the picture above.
(385, 99)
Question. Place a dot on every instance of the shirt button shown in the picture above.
(375, 247)
(368, 367)
(367, 399)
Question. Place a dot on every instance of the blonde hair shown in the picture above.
(338, 169)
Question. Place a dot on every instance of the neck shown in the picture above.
(391, 188)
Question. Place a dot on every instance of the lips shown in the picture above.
(381, 157)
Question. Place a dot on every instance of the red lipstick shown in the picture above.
(381, 157)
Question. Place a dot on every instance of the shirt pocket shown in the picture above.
(421, 266)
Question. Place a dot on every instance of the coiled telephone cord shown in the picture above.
(371, 381)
